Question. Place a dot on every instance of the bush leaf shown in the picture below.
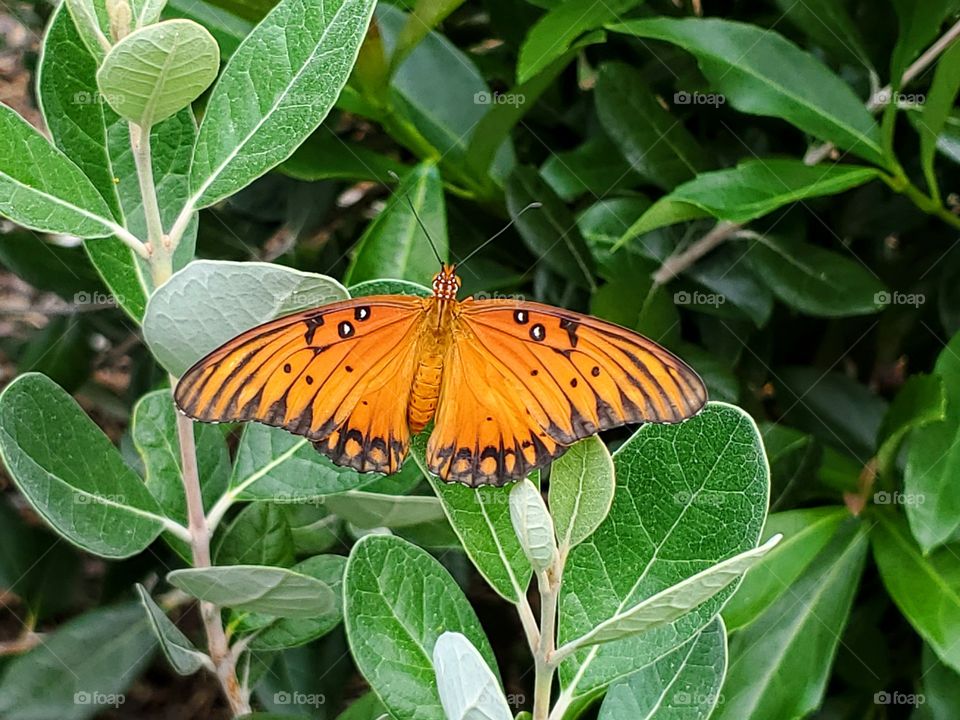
(71, 473)
(183, 657)
(467, 687)
(582, 484)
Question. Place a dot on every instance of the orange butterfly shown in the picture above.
(511, 384)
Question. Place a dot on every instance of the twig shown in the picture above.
(676, 264)
(549, 588)
(161, 259)
(881, 97)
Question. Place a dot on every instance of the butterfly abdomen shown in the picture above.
(425, 392)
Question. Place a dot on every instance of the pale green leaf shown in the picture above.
(182, 655)
(533, 525)
(468, 688)
(582, 484)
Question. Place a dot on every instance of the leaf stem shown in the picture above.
(161, 257)
(223, 658)
(549, 585)
(530, 628)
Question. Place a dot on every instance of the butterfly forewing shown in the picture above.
(547, 377)
(339, 375)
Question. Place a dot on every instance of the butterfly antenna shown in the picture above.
(419, 221)
(498, 233)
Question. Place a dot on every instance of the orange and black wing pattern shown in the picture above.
(339, 375)
(522, 381)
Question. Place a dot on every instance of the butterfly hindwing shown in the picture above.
(339, 375)
(543, 378)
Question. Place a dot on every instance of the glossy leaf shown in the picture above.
(936, 111)
(71, 473)
(922, 586)
(270, 590)
(394, 245)
(793, 643)
(752, 189)
(211, 301)
(919, 402)
(158, 70)
(814, 280)
(275, 90)
(762, 73)
(550, 231)
(806, 532)
(398, 602)
(653, 141)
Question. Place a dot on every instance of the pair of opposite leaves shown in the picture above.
(511, 384)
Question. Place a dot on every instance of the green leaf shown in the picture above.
(930, 494)
(752, 189)
(426, 15)
(394, 245)
(923, 586)
(941, 688)
(71, 473)
(762, 73)
(81, 668)
(919, 402)
(445, 115)
(272, 464)
(936, 112)
(212, 301)
(84, 15)
(276, 89)
(41, 188)
(673, 481)
(259, 535)
(582, 485)
(595, 166)
(631, 298)
(654, 142)
(481, 519)
(533, 525)
(88, 131)
(369, 510)
(183, 657)
(467, 687)
(158, 70)
(919, 25)
(550, 231)
(671, 604)
(682, 685)
(813, 280)
(314, 528)
(828, 24)
(326, 156)
(269, 590)
(780, 664)
(806, 532)
(154, 433)
(553, 34)
(278, 634)
(398, 601)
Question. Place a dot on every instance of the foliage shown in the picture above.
(769, 192)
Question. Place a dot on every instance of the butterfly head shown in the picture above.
(446, 284)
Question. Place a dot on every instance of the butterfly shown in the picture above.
(509, 384)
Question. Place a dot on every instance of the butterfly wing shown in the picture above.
(522, 381)
(339, 375)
